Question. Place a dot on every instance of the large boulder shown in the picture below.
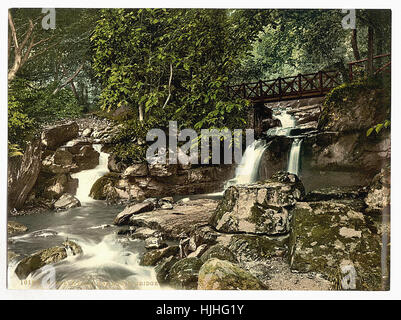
(184, 273)
(163, 268)
(63, 157)
(336, 239)
(101, 188)
(54, 137)
(66, 201)
(23, 172)
(124, 216)
(220, 252)
(260, 208)
(218, 274)
(44, 257)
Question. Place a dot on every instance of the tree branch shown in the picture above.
(69, 79)
(169, 85)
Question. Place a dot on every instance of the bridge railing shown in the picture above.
(381, 63)
(302, 85)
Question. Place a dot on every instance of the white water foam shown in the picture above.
(87, 178)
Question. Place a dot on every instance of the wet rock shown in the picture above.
(379, 194)
(66, 201)
(74, 146)
(331, 237)
(54, 137)
(220, 252)
(72, 247)
(163, 268)
(124, 216)
(11, 256)
(23, 172)
(155, 243)
(218, 274)
(44, 257)
(38, 260)
(136, 170)
(151, 258)
(260, 207)
(184, 273)
(166, 206)
(99, 190)
(14, 227)
(144, 233)
(257, 248)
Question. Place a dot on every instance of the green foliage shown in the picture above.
(137, 52)
(14, 150)
(30, 107)
(378, 127)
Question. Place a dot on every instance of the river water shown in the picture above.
(108, 261)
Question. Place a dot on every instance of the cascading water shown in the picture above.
(293, 161)
(87, 178)
(247, 171)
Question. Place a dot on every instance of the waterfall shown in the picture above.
(288, 122)
(293, 161)
(247, 171)
(87, 178)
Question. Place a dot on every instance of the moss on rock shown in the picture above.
(218, 274)
(220, 252)
(99, 188)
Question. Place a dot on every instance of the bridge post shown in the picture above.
(321, 81)
(299, 84)
(280, 92)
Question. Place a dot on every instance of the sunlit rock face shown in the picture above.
(260, 208)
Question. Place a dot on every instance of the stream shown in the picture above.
(109, 261)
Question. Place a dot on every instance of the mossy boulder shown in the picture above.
(258, 248)
(260, 208)
(218, 274)
(220, 252)
(336, 193)
(184, 273)
(331, 237)
(45, 257)
(152, 257)
(103, 186)
(163, 268)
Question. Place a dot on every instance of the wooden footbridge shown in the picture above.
(302, 85)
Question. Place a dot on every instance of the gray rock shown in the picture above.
(124, 216)
(54, 137)
(67, 201)
(378, 197)
(260, 208)
(152, 257)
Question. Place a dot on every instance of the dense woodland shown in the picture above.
(168, 64)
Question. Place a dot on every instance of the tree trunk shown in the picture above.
(370, 51)
(141, 113)
(354, 43)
